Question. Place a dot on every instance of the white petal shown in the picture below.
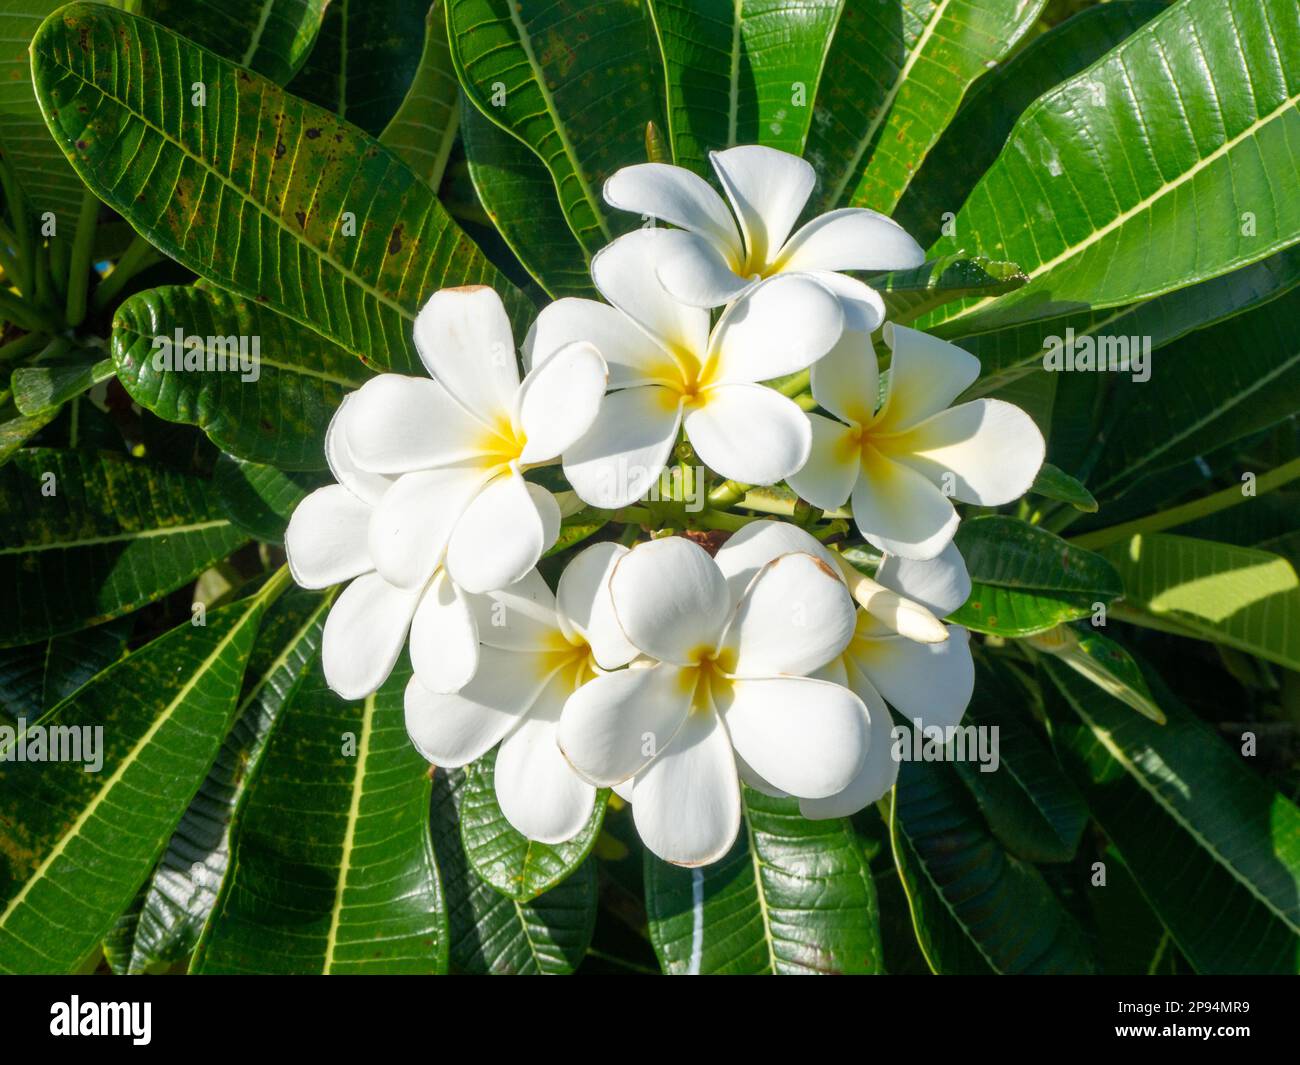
(900, 511)
(768, 189)
(631, 356)
(396, 424)
(940, 584)
(626, 448)
(806, 737)
(538, 791)
(586, 607)
(852, 238)
(616, 723)
(410, 527)
(930, 681)
(693, 270)
(834, 463)
(795, 617)
(749, 433)
(671, 599)
(847, 381)
(687, 808)
(623, 790)
(326, 538)
(364, 634)
(879, 769)
(925, 375)
(864, 308)
(752, 778)
(758, 543)
(992, 449)
(677, 196)
(778, 327)
(502, 534)
(559, 400)
(444, 637)
(519, 617)
(453, 729)
(463, 335)
(338, 453)
(624, 272)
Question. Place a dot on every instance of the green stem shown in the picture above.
(80, 268)
(798, 383)
(24, 315)
(140, 255)
(1181, 515)
(22, 226)
(727, 494)
(24, 345)
(276, 585)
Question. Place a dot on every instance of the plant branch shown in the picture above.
(80, 267)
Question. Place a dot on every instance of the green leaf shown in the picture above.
(895, 76)
(1104, 662)
(1052, 482)
(1216, 386)
(793, 896)
(741, 72)
(1028, 803)
(1238, 596)
(16, 431)
(263, 209)
(908, 294)
(500, 854)
(91, 536)
(1214, 849)
(181, 893)
(272, 37)
(975, 908)
(259, 384)
(1026, 579)
(42, 172)
(1096, 189)
(573, 81)
(260, 500)
(973, 139)
(163, 711)
(491, 933)
(424, 127)
(48, 386)
(35, 677)
(332, 869)
(517, 192)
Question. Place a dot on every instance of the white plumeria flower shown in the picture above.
(328, 542)
(899, 653)
(668, 370)
(900, 464)
(710, 260)
(457, 445)
(727, 696)
(538, 649)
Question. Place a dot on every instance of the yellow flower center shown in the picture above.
(500, 444)
(709, 678)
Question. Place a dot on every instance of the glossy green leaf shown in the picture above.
(17, 429)
(424, 127)
(49, 385)
(182, 892)
(501, 855)
(518, 194)
(573, 81)
(895, 76)
(1052, 482)
(741, 72)
(793, 896)
(975, 908)
(1215, 850)
(260, 385)
(164, 711)
(973, 139)
(272, 37)
(365, 58)
(1026, 579)
(1192, 117)
(332, 870)
(1239, 596)
(36, 676)
(491, 933)
(908, 294)
(89, 536)
(263, 201)
(260, 499)
(1104, 662)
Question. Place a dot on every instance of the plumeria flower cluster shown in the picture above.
(670, 667)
